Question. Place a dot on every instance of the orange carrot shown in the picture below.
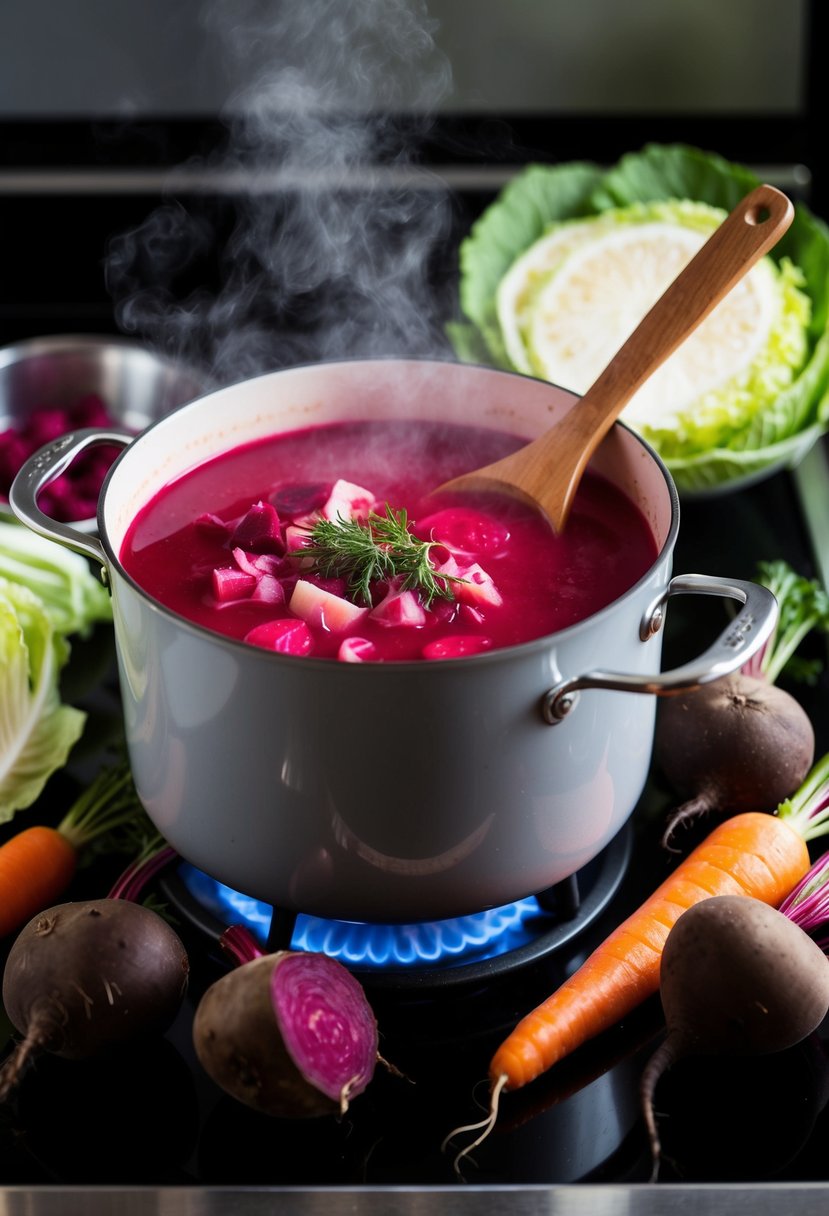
(38, 864)
(753, 854)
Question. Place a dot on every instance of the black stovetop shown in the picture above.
(152, 1124)
(151, 1118)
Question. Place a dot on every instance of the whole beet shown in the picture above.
(83, 978)
(737, 977)
(736, 744)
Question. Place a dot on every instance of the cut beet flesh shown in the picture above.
(326, 1023)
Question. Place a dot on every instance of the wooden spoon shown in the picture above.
(547, 471)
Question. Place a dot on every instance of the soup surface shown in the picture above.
(310, 543)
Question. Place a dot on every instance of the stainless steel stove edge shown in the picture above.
(756, 1199)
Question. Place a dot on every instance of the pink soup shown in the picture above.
(226, 546)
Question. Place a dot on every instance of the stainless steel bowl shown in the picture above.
(136, 385)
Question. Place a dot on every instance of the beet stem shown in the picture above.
(134, 879)
(240, 945)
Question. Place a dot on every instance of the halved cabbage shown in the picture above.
(568, 303)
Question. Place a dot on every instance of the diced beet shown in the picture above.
(399, 608)
(477, 587)
(470, 583)
(211, 525)
(357, 650)
(464, 530)
(297, 498)
(269, 590)
(456, 647)
(245, 562)
(472, 616)
(90, 410)
(232, 584)
(347, 501)
(269, 563)
(323, 610)
(335, 586)
(297, 539)
(442, 611)
(286, 635)
(14, 450)
(46, 425)
(258, 530)
(326, 1023)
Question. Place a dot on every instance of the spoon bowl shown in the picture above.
(546, 472)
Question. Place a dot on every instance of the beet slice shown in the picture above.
(288, 1034)
(326, 1024)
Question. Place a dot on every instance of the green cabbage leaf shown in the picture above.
(72, 596)
(37, 731)
(766, 417)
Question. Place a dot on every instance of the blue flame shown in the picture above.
(479, 936)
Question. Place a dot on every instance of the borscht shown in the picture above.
(329, 541)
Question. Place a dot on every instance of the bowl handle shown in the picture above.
(44, 466)
(742, 638)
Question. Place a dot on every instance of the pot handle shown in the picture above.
(44, 466)
(742, 638)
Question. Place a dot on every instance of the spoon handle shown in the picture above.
(748, 232)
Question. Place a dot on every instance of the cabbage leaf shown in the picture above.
(791, 411)
(37, 731)
(72, 596)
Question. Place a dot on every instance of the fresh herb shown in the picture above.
(379, 549)
(803, 607)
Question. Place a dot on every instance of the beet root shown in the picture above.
(84, 978)
(288, 1034)
(736, 744)
(737, 977)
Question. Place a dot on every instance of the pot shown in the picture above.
(388, 792)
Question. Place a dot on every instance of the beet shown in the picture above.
(288, 1034)
(84, 978)
(737, 977)
(737, 744)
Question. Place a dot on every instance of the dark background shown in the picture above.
(109, 113)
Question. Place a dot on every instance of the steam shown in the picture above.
(332, 246)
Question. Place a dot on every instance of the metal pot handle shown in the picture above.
(44, 466)
(742, 638)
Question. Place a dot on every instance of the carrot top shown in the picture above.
(807, 811)
(108, 804)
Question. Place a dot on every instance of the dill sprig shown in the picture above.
(378, 549)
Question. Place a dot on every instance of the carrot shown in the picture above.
(35, 866)
(753, 854)
(38, 864)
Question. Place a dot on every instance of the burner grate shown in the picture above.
(439, 953)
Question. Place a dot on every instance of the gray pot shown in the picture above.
(401, 791)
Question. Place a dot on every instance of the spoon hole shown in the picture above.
(758, 215)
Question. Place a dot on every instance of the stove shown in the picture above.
(429, 956)
(149, 1133)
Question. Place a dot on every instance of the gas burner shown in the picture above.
(435, 954)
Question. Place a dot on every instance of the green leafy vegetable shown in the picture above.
(37, 731)
(73, 598)
(803, 607)
(377, 550)
(766, 416)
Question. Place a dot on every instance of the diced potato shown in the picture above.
(322, 610)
